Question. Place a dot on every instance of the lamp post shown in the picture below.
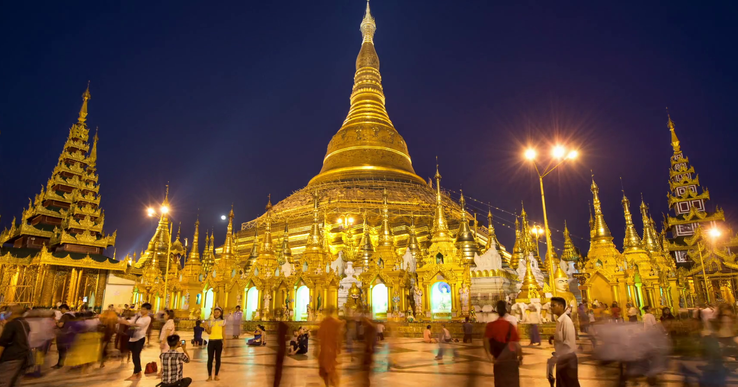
(560, 155)
(713, 233)
(537, 231)
(164, 210)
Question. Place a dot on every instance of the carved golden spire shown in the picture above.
(517, 253)
(631, 240)
(254, 248)
(367, 249)
(208, 258)
(674, 138)
(368, 26)
(464, 238)
(286, 251)
(530, 288)
(491, 230)
(228, 245)
(440, 225)
(267, 246)
(600, 231)
(386, 239)
(412, 243)
(83, 111)
(367, 146)
(92, 158)
(194, 250)
(313, 241)
(650, 238)
(570, 253)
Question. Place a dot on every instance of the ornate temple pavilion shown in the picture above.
(54, 253)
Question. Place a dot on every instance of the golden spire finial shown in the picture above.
(166, 196)
(368, 26)
(650, 238)
(465, 241)
(600, 231)
(269, 202)
(83, 111)
(631, 240)
(674, 138)
(440, 226)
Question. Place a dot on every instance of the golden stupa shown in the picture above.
(365, 158)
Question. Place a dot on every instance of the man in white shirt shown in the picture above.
(140, 323)
(511, 319)
(565, 343)
(649, 320)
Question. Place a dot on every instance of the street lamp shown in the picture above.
(560, 154)
(164, 210)
(537, 231)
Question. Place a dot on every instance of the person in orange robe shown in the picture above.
(329, 336)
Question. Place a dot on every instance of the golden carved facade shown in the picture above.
(54, 254)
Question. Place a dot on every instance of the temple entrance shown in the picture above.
(441, 301)
(380, 296)
(252, 303)
(302, 299)
(208, 307)
(600, 290)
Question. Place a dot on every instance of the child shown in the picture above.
(293, 343)
(198, 334)
(172, 363)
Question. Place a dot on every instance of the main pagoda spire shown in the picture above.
(367, 146)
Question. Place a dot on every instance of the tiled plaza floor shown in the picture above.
(413, 366)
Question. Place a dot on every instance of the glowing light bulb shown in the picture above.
(559, 151)
(530, 154)
(572, 155)
(164, 210)
(150, 211)
(340, 220)
(350, 220)
(714, 233)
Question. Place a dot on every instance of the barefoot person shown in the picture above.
(329, 340)
(138, 326)
(214, 328)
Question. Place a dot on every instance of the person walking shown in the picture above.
(444, 340)
(329, 346)
(14, 347)
(237, 319)
(63, 336)
(214, 328)
(108, 320)
(502, 343)
(138, 325)
(565, 345)
(533, 320)
(632, 313)
(172, 363)
(468, 330)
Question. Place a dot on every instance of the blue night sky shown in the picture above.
(231, 101)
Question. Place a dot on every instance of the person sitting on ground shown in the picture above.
(258, 339)
(427, 335)
(172, 362)
(302, 342)
(198, 329)
(293, 343)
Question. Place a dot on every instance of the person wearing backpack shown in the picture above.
(15, 352)
(503, 344)
(137, 327)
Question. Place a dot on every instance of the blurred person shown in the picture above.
(14, 347)
(533, 320)
(279, 363)
(632, 312)
(166, 330)
(370, 340)
(138, 326)
(172, 363)
(583, 316)
(428, 335)
(502, 343)
(725, 321)
(444, 339)
(666, 315)
(214, 327)
(63, 339)
(615, 312)
(350, 336)
(197, 333)
(237, 319)
(329, 346)
(649, 320)
(122, 337)
(468, 330)
(380, 331)
(293, 343)
(565, 345)
(41, 334)
(510, 318)
(109, 321)
(85, 348)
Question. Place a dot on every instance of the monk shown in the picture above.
(329, 339)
